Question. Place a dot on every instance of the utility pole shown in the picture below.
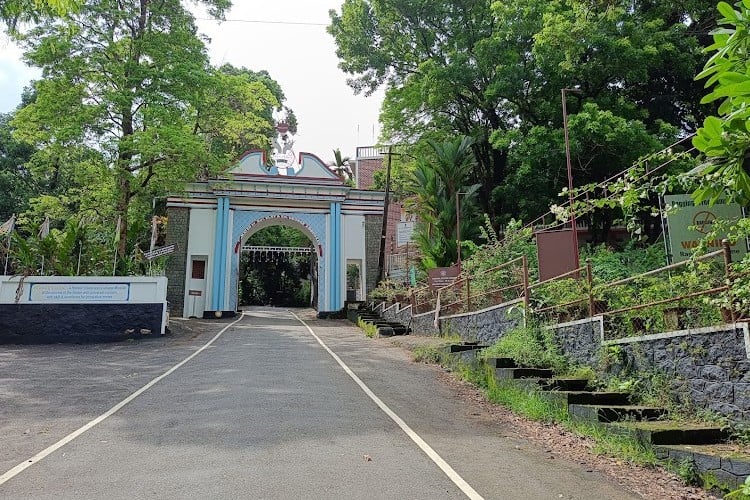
(458, 230)
(381, 256)
(573, 227)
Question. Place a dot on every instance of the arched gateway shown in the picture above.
(212, 220)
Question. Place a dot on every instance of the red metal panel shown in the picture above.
(556, 253)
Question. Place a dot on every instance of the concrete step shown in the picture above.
(464, 347)
(564, 384)
(667, 432)
(614, 413)
(715, 463)
(567, 398)
(385, 331)
(519, 373)
(501, 362)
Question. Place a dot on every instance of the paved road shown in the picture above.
(265, 411)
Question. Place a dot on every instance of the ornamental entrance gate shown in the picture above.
(211, 221)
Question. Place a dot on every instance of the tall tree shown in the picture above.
(441, 186)
(14, 11)
(130, 82)
(16, 181)
(494, 71)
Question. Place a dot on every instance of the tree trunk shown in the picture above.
(123, 202)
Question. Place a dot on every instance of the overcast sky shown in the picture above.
(300, 57)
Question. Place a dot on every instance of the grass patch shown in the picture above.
(369, 329)
(532, 404)
(428, 354)
(434, 353)
(613, 444)
(528, 346)
(525, 402)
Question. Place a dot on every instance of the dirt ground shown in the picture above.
(651, 483)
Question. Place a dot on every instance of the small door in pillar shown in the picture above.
(197, 290)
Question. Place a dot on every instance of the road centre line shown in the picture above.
(101, 418)
(426, 448)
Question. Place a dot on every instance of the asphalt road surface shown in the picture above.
(257, 407)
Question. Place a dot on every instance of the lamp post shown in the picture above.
(570, 174)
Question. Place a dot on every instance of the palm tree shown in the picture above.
(340, 165)
(434, 186)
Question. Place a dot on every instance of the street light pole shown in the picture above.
(570, 175)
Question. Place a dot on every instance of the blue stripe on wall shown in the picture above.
(336, 254)
(218, 286)
(216, 257)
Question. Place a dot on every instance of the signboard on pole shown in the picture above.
(689, 223)
(158, 252)
(442, 276)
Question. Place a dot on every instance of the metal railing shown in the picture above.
(497, 285)
(422, 299)
(689, 294)
(677, 296)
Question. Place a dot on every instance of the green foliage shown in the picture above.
(742, 492)
(516, 241)
(725, 139)
(16, 182)
(389, 291)
(128, 110)
(610, 265)
(528, 346)
(493, 71)
(439, 186)
(278, 279)
(369, 329)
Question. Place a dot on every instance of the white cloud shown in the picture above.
(303, 60)
(14, 75)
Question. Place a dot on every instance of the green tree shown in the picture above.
(16, 182)
(435, 185)
(14, 11)
(493, 71)
(129, 86)
(725, 139)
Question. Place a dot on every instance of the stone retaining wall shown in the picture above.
(424, 324)
(43, 323)
(580, 340)
(707, 368)
(485, 326)
(398, 313)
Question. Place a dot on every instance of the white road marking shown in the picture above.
(426, 448)
(101, 418)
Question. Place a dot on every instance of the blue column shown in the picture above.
(335, 252)
(220, 254)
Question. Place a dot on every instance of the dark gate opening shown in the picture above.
(278, 267)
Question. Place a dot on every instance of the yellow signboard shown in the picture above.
(689, 223)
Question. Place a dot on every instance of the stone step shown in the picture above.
(564, 384)
(567, 398)
(385, 331)
(667, 432)
(715, 463)
(501, 362)
(520, 373)
(464, 347)
(614, 413)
